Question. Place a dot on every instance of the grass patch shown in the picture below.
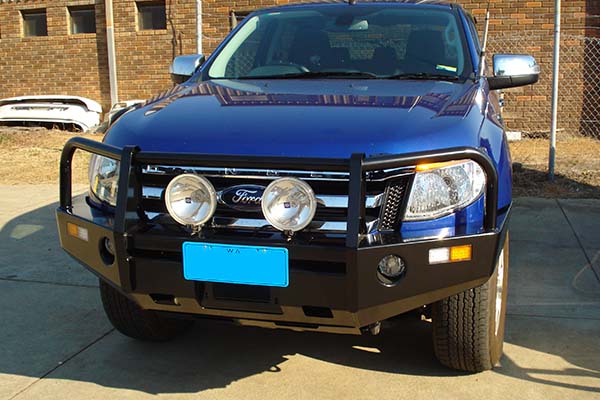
(4, 138)
(31, 156)
(577, 168)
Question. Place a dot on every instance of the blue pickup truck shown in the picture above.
(330, 166)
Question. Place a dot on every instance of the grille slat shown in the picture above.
(328, 201)
(382, 203)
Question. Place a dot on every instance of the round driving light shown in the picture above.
(289, 204)
(191, 199)
(108, 245)
(391, 269)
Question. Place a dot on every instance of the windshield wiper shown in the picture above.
(317, 74)
(424, 76)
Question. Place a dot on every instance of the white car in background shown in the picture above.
(68, 112)
(115, 112)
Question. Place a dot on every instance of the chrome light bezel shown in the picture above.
(312, 204)
(202, 184)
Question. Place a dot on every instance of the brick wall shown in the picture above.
(593, 23)
(61, 63)
(143, 57)
(55, 64)
(77, 64)
(528, 27)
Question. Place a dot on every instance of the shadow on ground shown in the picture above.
(534, 183)
(214, 355)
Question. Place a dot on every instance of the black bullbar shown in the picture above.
(333, 286)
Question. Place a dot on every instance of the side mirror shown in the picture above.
(514, 70)
(183, 67)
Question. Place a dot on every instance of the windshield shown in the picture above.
(351, 41)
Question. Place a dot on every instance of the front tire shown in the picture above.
(131, 320)
(468, 328)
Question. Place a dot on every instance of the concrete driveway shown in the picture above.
(56, 343)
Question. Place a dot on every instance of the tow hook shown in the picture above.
(373, 329)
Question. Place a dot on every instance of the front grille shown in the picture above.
(394, 204)
(331, 190)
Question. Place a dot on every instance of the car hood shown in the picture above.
(308, 118)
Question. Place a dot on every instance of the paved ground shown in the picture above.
(56, 343)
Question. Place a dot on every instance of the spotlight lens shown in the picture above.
(391, 267)
(289, 204)
(191, 199)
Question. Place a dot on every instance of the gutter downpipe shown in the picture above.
(112, 59)
(555, 88)
(199, 49)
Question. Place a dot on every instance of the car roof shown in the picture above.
(345, 3)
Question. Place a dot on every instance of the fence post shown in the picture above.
(555, 82)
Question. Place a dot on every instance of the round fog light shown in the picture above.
(289, 204)
(391, 269)
(107, 251)
(108, 244)
(191, 200)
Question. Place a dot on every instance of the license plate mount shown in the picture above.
(236, 264)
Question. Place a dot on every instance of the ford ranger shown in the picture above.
(330, 166)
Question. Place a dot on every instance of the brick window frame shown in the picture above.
(151, 15)
(76, 14)
(34, 22)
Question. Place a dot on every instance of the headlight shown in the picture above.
(289, 204)
(104, 178)
(443, 188)
(191, 200)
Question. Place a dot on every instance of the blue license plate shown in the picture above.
(246, 265)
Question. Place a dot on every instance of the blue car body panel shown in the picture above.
(310, 118)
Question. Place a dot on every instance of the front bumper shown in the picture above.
(333, 286)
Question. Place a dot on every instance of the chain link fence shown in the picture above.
(527, 111)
